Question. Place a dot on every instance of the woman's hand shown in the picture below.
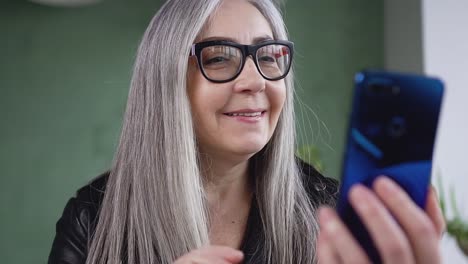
(211, 255)
(415, 240)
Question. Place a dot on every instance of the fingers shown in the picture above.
(212, 255)
(336, 244)
(418, 227)
(402, 232)
(226, 253)
(388, 237)
(434, 211)
(205, 259)
(325, 252)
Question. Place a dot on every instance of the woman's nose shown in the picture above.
(249, 80)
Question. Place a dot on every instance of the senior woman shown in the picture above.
(205, 170)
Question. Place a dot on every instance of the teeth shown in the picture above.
(245, 114)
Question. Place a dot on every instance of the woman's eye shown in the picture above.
(266, 58)
(215, 60)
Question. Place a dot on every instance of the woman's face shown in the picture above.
(219, 109)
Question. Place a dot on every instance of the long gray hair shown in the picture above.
(154, 208)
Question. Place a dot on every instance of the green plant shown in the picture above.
(311, 155)
(456, 227)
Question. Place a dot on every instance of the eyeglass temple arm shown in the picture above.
(192, 50)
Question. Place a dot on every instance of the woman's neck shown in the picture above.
(229, 194)
(226, 183)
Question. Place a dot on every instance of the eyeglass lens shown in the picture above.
(223, 62)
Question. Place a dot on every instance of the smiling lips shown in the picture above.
(247, 115)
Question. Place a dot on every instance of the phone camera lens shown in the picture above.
(395, 89)
(377, 88)
(397, 127)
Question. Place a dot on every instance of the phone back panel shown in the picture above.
(391, 132)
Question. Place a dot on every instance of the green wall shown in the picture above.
(334, 39)
(64, 76)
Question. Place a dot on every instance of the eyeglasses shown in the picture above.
(222, 61)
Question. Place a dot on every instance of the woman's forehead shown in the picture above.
(237, 20)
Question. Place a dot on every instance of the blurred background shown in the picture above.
(65, 68)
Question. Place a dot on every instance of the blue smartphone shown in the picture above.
(391, 132)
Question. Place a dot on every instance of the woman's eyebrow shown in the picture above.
(255, 40)
(262, 39)
(218, 38)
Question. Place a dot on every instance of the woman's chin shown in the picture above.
(248, 149)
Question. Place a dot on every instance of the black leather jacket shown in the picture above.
(75, 228)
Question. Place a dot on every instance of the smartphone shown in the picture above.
(391, 132)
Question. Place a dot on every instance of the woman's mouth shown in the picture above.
(246, 116)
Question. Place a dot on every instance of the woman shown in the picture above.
(205, 169)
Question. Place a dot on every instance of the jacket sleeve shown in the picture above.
(72, 234)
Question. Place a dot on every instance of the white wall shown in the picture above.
(445, 52)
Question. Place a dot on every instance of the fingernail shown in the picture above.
(357, 192)
(358, 196)
(238, 254)
(331, 226)
(324, 214)
(328, 221)
(388, 185)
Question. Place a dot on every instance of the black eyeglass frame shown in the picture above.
(247, 50)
